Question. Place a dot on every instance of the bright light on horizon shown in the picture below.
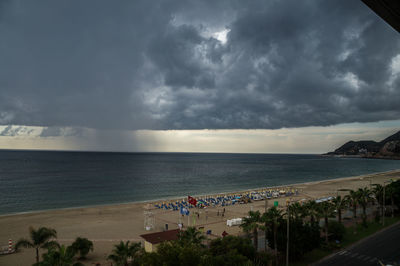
(285, 140)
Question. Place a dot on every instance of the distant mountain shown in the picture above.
(388, 148)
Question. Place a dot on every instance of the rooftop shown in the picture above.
(158, 237)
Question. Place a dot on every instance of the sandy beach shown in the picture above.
(107, 225)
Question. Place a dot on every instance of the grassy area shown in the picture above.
(358, 232)
(352, 235)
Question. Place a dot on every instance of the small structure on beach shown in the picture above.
(235, 221)
(151, 241)
(149, 219)
(4, 250)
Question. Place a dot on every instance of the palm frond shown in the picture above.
(50, 244)
(23, 243)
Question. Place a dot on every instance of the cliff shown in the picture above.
(388, 148)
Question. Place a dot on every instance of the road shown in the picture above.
(384, 247)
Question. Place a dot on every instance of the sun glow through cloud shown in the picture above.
(294, 140)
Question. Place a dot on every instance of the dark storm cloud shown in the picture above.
(158, 64)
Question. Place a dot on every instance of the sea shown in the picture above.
(42, 180)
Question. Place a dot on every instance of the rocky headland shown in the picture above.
(388, 148)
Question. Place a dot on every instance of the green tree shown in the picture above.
(304, 237)
(340, 204)
(225, 250)
(391, 192)
(364, 197)
(191, 235)
(82, 246)
(59, 256)
(250, 224)
(311, 209)
(271, 219)
(353, 200)
(327, 211)
(150, 259)
(40, 238)
(336, 230)
(123, 253)
(173, 253)
(296, 211)
(377, 191)
(395, 194)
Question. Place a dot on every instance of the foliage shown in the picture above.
(353, 200)
(263, 258)
(251, 225)
(171, 253)
(339, 204)
(364, 197)
(230, 250)
(83, 246)
(240, 246)
(357, 232)
(303, 237)
(394, 192)
(59, 256)
(326, 209)
(232, 257)
(336, 230)
(377, 192)
(311, 209)
(297, 211)
(123, 253)
(272, 218)
(40, 238)
(191, 236)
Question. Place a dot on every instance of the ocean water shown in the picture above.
(40, 180)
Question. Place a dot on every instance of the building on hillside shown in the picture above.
(152, 240)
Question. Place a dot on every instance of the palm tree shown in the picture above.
(191, 235)
(311, 209)
(327, 210)
(339, 203)
(364, 197)
(353, 200)
(59, 256)
(251, 224)
(123, 252)
(271, 218)
(390, 191)
(40, 238)
(83, 246)
(378, 193)
(297, 211)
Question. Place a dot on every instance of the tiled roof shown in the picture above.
(155, 238)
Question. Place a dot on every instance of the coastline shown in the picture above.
(175, 198)
(107, 225)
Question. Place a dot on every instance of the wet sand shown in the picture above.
(107, 225)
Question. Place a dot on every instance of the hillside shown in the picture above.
(388, 148)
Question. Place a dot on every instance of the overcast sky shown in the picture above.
(100, 70)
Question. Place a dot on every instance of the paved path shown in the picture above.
(383, 246)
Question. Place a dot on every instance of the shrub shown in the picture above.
(336, 230)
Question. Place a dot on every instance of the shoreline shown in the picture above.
(107, 225)
(213, 194)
